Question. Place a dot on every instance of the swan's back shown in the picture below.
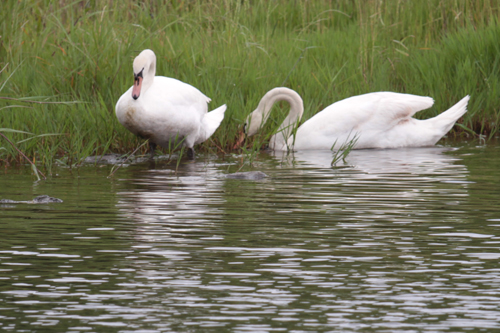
(172, 93)
(374, 115)
(374, 108)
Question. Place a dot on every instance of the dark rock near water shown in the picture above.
(123, 160)
(45, 199)
(41, 199)
(105, 159)
(251, 175)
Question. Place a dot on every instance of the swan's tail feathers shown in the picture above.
(210, 123)
(447, 119)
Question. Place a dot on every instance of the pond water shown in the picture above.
(401, 240)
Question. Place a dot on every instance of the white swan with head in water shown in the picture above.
(377, 120)
(166, 110)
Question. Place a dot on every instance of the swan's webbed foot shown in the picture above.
(152, 149)
(190, 154)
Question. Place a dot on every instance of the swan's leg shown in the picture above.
(190, 153)
(152, 148)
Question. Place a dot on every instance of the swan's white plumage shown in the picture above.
(378, 120)
(166, 109)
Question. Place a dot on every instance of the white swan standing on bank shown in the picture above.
(377, 120)
(166, 110)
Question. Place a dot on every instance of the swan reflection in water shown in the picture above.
(199, 194)
(414, 178)
(169, 204)
(428, 160)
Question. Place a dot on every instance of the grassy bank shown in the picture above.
(79, 54)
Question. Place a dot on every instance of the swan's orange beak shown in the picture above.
(136, 90)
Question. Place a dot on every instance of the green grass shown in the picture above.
(81, 52)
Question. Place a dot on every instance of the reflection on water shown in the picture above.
(397, 240)
(166, 204)
(393, 178)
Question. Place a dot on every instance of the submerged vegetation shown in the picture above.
(64, 64)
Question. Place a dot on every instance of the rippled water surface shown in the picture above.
(404, 240)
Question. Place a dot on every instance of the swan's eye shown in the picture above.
(139, 75)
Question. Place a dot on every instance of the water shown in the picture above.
(400, 240)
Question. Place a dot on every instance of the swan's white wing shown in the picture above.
(380, 110)
(369, 114)
(170, 92)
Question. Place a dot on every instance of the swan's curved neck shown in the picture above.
(281, 138)
(149, 74)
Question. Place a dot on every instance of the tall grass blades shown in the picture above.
(234, 51)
